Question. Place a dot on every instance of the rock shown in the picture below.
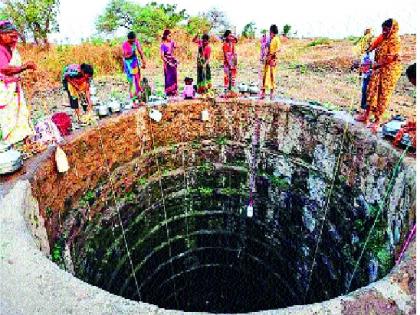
(308, 220)
(373, 268)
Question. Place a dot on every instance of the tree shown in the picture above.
(286, 30)
(36, 18)
(218, 21)
(198, 25)
(249, 30)
(147, 21)
(173, 16)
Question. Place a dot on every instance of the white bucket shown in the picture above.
(155, 115)
(61, 160)
(205, 116)
(249, 211)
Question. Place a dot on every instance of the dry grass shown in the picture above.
(306, 71)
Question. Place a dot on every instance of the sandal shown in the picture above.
(363, 118)
(373, 127)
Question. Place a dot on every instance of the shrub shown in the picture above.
(319, 41)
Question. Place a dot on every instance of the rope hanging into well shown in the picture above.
(118, 211)
(159, 173)
(327, 203)
(382, 203)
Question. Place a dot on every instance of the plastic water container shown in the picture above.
(10, 159)
(250, 211)
(155, 115)
(205, 116)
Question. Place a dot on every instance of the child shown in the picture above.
(146, 90)
(230, 59)
(269, 73)
(366, 65)
(189, 92)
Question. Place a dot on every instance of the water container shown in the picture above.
(10, 159)
(205, 116)
(114, 106)
(250, 211)
(92, 89)
(102, 110)
(94, 100)
(243, 88)
(253, 89)
(61, 160)
(155, 115)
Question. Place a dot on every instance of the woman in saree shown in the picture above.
(76, 81)
(131, 49)
(264, 45)
(269, 73)
(230, 60)
(386, 72)
(203, 64)
(167, 49)
(15, 124)
(363, 43)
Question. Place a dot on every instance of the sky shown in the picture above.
(329, 18)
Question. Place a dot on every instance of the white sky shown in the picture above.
(330, 18)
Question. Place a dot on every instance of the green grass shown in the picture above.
(319, 41)
(88, 198)
(221, 140)
(278, 182)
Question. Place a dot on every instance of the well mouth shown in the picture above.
(167, 223)
(197, 250)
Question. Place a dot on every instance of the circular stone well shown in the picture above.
(157, 212)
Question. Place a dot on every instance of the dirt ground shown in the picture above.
(321, 73)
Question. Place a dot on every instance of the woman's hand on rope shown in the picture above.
(376, 66)
(30, 65)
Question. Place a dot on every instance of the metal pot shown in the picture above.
(114, 106)
(94, 99)
(253, 89)
(92, 90)
(391, 128)
(155, 115)
(243, 88)
(102, 110)
(128, 105)
(156, 100)
(10, 159)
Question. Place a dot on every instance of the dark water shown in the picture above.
(209, 256)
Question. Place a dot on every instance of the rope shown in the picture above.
(327, 204)
(187, 204)
(381, 207)
(406, 243)
(254, 143)
(118, 212)
(164, 209)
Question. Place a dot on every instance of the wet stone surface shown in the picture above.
(176, 192)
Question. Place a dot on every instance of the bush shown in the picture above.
(319, 41)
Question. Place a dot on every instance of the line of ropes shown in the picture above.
(382, 203)
(117, 206)
(159, 172)
(327, 203)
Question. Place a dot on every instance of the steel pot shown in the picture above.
(114, 106)
(102, 110)
(10, 159)
(253, 89)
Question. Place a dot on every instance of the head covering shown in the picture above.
(7, 26)
(394, 28)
